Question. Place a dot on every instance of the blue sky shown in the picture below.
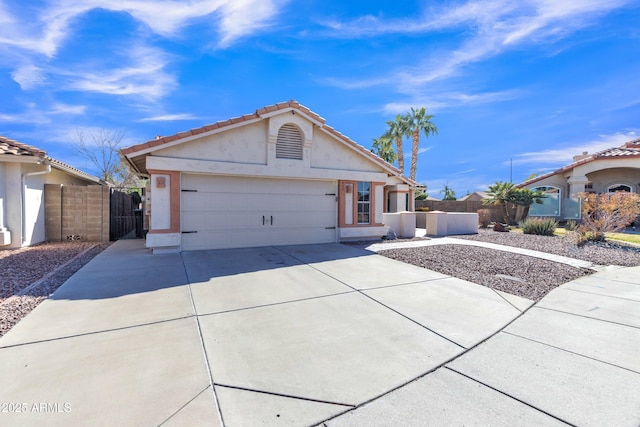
(532, 81)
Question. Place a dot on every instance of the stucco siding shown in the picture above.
(245, 144)
(603, 179)
(327, 153)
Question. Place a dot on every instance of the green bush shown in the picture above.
(539, 226)
(571, 225)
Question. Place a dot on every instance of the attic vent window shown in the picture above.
(290, 142)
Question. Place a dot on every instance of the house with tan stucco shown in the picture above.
(611, 170)
(278, 176)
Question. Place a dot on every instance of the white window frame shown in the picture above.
(366, 203)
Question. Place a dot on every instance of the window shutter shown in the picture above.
(290, 142)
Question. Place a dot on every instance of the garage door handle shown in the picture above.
(189, 232)
(262, 219)
(271, 220)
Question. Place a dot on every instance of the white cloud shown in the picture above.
(145, 76)
(46, 32)
(424, 149)
(28, 76)
(464, 171)
(169, 118)
(243, 17)
(68, 109)
(492, 27)
(565, 154)
(440, 101)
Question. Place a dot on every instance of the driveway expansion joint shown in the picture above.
(99, 332)
(202, 344)
(604, 296)
(570, 352)
(509, 396)
(587, 317)
(289, 396)
(185, 405)
(253, 307)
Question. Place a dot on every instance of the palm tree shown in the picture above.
(501, 193)
(383, 148)
(396, 132)
(414, 122)
(449, 193)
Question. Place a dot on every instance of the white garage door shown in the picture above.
(231, 212)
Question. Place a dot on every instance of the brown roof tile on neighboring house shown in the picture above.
(627, 150)
(12, 147)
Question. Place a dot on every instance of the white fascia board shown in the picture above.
(192, 137)
(296, 111)
(10, 158)
(248, 169)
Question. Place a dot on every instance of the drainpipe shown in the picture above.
(24, 201)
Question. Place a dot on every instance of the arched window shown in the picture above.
(616, 188)
(290, 142)
(550, 204)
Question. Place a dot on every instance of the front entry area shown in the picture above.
(220, 212)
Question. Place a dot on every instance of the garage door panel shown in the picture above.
(226, 212)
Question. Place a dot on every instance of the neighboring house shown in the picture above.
(24, 171)
(476, 196)
(611, 170)
(276, 177)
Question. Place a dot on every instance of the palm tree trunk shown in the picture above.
(414, 153)
(400, 155)
(505, 213)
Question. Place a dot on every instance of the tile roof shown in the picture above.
(629, 149)
(221, 124)
(259, 113)
(15, 148)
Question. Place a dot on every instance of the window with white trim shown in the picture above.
(290, 142)
(364, 202)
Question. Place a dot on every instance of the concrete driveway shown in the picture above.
(291, 335)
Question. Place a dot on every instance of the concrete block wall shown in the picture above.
(77, 213)
(462, 206)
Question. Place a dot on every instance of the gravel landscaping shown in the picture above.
(44, 263)
(520, 275)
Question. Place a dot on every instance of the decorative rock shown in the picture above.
(391, 235)
(503, 228)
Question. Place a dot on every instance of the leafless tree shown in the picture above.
(100, 150)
